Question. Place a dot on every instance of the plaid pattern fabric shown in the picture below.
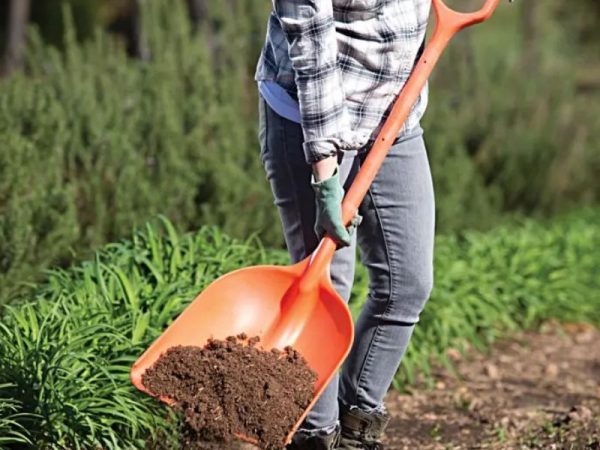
(345, 62)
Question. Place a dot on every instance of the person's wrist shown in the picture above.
(324, 168)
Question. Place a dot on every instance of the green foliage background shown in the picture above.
(93, 143)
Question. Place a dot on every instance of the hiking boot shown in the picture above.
(361, 430)
(303, 441)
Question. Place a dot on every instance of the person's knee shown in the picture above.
(402, 297)
(422, 283)
(414, 293)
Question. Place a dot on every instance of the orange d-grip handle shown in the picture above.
(455, 21)
(448, 22)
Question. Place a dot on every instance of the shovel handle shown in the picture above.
(448, 22)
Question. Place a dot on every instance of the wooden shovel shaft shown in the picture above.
(448, 23)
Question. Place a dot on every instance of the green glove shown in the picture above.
(329, 195)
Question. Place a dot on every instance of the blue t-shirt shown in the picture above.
(279, 100)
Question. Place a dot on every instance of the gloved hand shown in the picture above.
(329, 195)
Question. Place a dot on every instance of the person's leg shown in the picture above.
(396, 243)
(289, 177)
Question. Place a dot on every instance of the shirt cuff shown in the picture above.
(318, 149)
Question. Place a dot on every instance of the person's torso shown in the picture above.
(378, 42)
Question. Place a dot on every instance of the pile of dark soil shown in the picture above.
(232, 386)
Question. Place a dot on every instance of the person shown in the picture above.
(327, 75)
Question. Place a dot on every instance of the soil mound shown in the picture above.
(231, 386)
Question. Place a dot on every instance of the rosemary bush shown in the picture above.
(94, 143)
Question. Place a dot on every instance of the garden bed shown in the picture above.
(66, 350)
(535, 391)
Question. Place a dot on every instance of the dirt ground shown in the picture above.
(536, 391)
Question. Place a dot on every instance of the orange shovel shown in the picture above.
(297, 305)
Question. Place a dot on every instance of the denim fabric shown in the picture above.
(395, 239)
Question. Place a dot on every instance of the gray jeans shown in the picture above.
(395, 239)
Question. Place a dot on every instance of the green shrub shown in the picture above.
(66, 351)
(509, 136)
(95, 143)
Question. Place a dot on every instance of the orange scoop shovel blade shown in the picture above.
(263, 301)
(297, 305)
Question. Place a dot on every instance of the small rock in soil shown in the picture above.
(232, 386)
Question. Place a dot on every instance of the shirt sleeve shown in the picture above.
(309, 29)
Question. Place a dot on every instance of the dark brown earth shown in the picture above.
(232, 386)
(535, 391)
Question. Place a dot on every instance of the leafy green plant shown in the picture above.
(488, 284)
(66, 351)
(65, 355)
(11, 429)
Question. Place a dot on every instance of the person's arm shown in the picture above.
(309, 29)
(312, 45)
(324, 168)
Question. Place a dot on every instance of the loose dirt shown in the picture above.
(535, 391)
(232, 386)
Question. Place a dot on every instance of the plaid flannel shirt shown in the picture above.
(345, 62)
